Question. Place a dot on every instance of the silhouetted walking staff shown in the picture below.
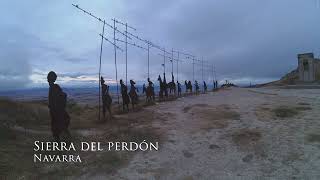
(179, 88)
(125, 96)
(133, 93)
(204, 87)
(57, 99)
(106, 98)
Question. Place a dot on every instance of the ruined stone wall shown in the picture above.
(317, 69)
(306, 67)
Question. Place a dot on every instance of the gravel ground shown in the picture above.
(236, 133)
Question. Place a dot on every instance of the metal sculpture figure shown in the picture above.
(150, 91)
(197, 87)
(165, 85)
(125, 97)
(106, 98)
(144, 89)
(205, 88)
(133, 93)
(179, 88)
(188, 86)
(172, 85)
(57, 99)
(162, 88)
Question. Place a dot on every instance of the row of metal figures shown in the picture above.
(57, 99)
(132, 96)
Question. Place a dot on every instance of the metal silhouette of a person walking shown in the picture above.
(179, 88)
(205, 87)
(150, 91)
(196, 87)
(133, 93)
(106, 99)
(57, 99)
(125, 96)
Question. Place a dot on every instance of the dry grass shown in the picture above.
(187, 108)
(217, 117)
(313, 138)
(23, 114)
(303, 108)
(221, 112)
(245, 137)
(249, 140)
(17, 146)
(267, 113)
(285, 111)
(303, 104)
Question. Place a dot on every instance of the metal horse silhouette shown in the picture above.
(172, 85)
(188, 86)
(163, 87)
(150, 95)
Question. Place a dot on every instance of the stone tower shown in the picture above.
(306, 67)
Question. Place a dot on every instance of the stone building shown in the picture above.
(308, 67)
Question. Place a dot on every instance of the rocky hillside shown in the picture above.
(290, 78)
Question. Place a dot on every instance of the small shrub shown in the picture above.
(313, 138)
(285, 112)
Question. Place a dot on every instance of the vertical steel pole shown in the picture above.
(193, 68)
(172, 61)
(212, 74)
(126, 54)
(202, 68)
(100, 69)
(178, 67)
(115, 56)
(148, 60)
(164, 60)
(213, 78)
(214, 70)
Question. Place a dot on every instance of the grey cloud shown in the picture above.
(75, 59)
(75, 74)
(244, 39)
(15, 68)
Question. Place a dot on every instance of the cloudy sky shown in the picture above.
(246, 40)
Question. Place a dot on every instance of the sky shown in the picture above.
(246, 41)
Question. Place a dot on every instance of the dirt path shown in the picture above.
(234, 134)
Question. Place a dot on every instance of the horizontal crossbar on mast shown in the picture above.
(100, 20)
(132, 44)
(111, 42)
(124, 24)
